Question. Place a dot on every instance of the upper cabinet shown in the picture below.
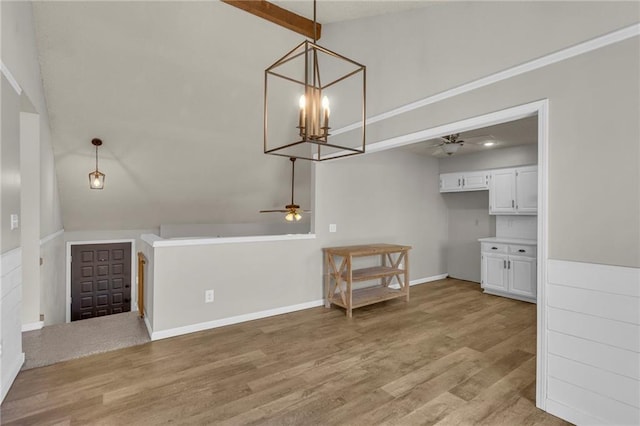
(514, 191)
(464, 181)
(511, 191)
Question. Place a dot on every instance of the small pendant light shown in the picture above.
(96, 178)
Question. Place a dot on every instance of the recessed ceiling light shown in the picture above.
(490, 143)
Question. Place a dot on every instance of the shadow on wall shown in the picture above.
(469, 220)
(235, 229)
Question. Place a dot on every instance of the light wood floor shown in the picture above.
(451, 356)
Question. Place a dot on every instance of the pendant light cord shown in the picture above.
(96, 158)
(293, 173)
(315, 24)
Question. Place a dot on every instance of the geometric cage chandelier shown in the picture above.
(96, 178)
(303, 90)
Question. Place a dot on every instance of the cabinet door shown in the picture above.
(475, 181)
(522, 276)
(494, 272)
(450, 182)
(527, 190)
(502, 192)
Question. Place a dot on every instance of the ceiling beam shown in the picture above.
(278, 15)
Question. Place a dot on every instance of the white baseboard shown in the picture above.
(570, 414)
(163, 334)
(422, 280)
(428, 279)
(32, 326)
(12, 373)
(146, 322)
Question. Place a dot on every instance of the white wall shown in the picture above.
(594, 343)
(11, 356)
(20, 57)
(490, 159)
(10, 165)
(53, 297)
(390, 197)
(30, 217)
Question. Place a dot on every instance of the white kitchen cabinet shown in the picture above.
(464, 181)
(509, 270)
(514, 191)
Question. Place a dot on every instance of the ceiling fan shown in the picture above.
(450, 143)
(293, 211)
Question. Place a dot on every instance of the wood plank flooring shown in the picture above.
(450, 356)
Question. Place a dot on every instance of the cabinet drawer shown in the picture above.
(528, 251)
(495, 248)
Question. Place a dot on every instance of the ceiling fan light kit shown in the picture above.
(298, 98)
(96, 178)
(293, 210)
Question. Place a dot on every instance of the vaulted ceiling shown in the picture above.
(174, 89)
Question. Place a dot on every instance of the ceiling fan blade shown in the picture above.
(274, 211)
(435, 145)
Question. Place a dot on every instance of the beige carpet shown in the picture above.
(62, 342)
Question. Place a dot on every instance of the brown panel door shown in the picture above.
(100, 280)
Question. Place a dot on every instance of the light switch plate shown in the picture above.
(15, 221)
(332, 227)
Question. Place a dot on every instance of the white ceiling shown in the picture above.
(505, 135)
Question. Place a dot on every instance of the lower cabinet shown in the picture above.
(509, 270)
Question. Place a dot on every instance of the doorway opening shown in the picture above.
(541, 110)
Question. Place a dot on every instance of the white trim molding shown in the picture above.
(561, 55)
(156, 241)
(32, 326)
(192, 328)
(51, 237)
(422, 280)
(10, 78)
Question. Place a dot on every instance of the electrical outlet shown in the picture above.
(208, 296)
(400, 266)
(332, 227)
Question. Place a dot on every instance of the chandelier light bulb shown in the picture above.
(289, 217)
(96, 182)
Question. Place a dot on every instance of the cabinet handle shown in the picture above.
(462, 181)
(458, 182)
(513, 203)
(494, 248)
(504, 264)
(521, 251)
(509, 264)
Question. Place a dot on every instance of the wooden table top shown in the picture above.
(366, 249)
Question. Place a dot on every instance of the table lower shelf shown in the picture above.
(369, 295)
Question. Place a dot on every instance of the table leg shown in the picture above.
(327, 281)
(406, 273)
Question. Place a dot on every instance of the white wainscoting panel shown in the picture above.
(593, 343)
(11, 356)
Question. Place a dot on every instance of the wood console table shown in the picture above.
(394, 262)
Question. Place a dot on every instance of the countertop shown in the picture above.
(508, 240)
